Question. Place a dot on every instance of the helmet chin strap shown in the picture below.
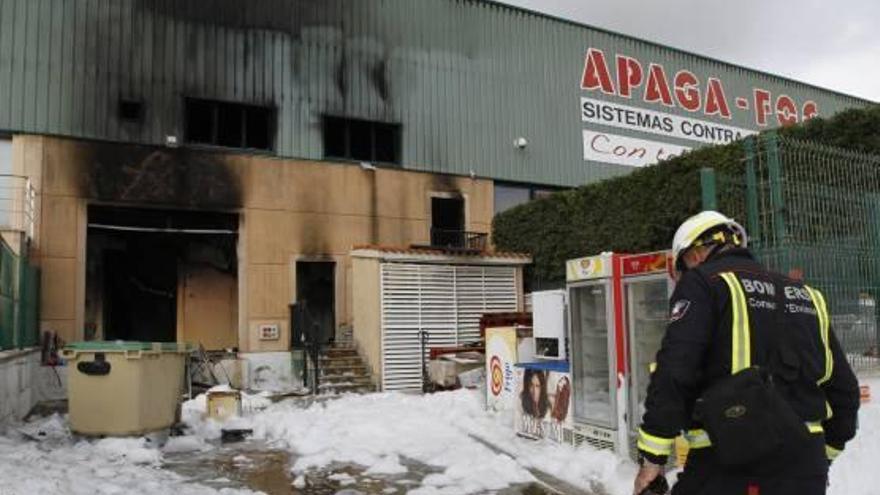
(716, 248)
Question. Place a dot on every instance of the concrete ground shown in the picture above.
(258, 466)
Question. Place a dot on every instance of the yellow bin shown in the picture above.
(124, 388)
(224, 404)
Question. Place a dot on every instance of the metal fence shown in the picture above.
(813, 211)
(19, 300)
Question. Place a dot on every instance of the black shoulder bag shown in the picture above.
(746, 417)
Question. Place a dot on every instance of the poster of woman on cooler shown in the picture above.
(543, 405)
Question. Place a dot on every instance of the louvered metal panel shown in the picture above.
(445, 301)
(461, 100)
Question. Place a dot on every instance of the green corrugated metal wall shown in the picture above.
(464, 77)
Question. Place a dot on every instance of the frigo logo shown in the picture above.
(497, 375)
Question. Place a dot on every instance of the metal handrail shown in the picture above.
(18, 204)
(459, 239)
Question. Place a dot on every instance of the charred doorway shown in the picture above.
(316, 288)
(447, 222)
(162, 276)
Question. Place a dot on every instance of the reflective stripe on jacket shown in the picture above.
(729, 307)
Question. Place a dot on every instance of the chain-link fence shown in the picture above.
(813, 211)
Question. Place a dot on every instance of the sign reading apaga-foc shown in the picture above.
(706, 102)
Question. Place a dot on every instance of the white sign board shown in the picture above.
(622, 150)
(660, 123)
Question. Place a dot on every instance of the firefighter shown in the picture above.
(740, 336)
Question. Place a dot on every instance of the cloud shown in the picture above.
(828, 44)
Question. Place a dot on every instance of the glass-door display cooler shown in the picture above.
(618, 306)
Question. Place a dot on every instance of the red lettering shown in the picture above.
(596, 73)
(595, 140)
(716, 101)
(662, 154)
(657, 89)
(786, 111)
(637, 152)
(629, 75)
(810, 110)
(762, 106)
(687, 90)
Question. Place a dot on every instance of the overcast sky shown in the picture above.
(834, 44)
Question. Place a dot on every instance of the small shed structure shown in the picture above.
(398, 293)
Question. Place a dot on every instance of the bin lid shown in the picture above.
(127, 345)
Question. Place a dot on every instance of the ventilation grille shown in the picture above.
(598, 438)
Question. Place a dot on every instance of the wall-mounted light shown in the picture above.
(520, 143)
(367, 166)
(171, 141)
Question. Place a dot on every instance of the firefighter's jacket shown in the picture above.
(720, 316)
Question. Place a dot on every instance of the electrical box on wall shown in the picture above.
(269, 332)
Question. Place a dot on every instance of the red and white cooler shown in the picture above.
(618, 310)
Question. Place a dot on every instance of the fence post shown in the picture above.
(774, 169)
(17, 292)
(753, 218)
(708, 185)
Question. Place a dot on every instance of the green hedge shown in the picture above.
(640, 211)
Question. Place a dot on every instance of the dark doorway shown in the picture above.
(140, 292)
(158, 276)
(316, 287)
(447, 222)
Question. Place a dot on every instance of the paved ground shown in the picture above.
(260, 467)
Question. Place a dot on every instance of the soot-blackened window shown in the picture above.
(131, 110)
(233, 125)
(363, 140)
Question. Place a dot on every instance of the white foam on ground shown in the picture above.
(108, 466)
(376, 431)
(444, 431)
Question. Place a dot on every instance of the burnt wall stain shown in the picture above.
(379, 75)
(287, 16)
(340, 78)
(161, 176)
(444, 183)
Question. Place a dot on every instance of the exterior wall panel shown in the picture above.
(289, 210)
(463, 77)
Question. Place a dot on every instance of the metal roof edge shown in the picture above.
(440, 257)
(669, 47)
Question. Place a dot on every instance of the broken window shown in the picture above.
(361, 140)
(233, 125)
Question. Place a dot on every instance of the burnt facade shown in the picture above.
(202, 164)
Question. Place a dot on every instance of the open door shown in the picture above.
(447, 222)
(316, 288)
(208, 307)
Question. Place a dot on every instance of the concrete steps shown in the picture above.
(343, 371)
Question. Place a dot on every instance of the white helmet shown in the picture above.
(694, 227)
